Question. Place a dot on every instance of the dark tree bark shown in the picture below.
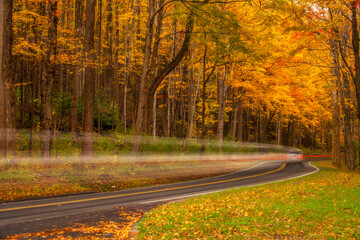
(278, 130)
(335, 108)
(192, 102)
(349, 148)
(153, 66)
(7, 91)
(356, 53)
(177, 59)
(3, 141)
(345, 95)
(99, 88)
(128, 61)
(145, 68)
(76, 69)
(221, 105)
(50, 77)
(89, 85)
(240, 121)
(146, 95)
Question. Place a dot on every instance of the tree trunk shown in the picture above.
(221, 105)
(203, 102)
(278, 130)
(234, 118)
(143, 96)
(168, 107)
(192, 102)
(356, 53)
(154, 65)
(3, 11)
(76, 69)
(345, 95)
(300, 134)
(288, 142)
(248, 125)
(335, 108)
(99, 88)
(7, 91)
(349, 148)
(240, 121)
(145, 68)
(89, 85)
(50, 78)
(154, 118)
(128, 62)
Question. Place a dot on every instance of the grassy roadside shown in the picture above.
(325, 205)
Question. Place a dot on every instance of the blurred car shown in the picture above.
(295, 155)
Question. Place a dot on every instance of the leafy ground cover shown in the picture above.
(106, 229)
(325, 205)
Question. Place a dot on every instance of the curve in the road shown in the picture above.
(45, 209)
(138, 193)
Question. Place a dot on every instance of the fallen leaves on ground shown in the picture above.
(325, 205)
(100, 230)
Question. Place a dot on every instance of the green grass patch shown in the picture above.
(325, 205)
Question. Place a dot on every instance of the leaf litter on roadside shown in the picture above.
(99, 230)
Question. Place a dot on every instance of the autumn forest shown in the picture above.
(266, 71)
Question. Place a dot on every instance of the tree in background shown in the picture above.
(89, 81)
(183, 69)
(7, 95)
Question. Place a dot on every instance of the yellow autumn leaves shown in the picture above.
(322, 206)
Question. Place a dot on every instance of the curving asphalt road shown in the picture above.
(36, 215)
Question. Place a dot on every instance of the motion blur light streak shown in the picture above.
(109, 172)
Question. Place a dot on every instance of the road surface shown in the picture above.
(36, 215)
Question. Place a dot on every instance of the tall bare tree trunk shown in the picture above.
(89, 86)
(7, 92)
(145, 68)
(278, 130)
(99, 88)
(356, 53)
(154, 118)
(128, 61)
(203, 134)
(168, 106)
(192, 102)
(345, 96)
(349, 148)
(3, 141)
(50, 78)
(240, 121)
(335, 108)
(221, 106)
(154, 68)
(145, 96)
(300, 134)
(77, 68)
